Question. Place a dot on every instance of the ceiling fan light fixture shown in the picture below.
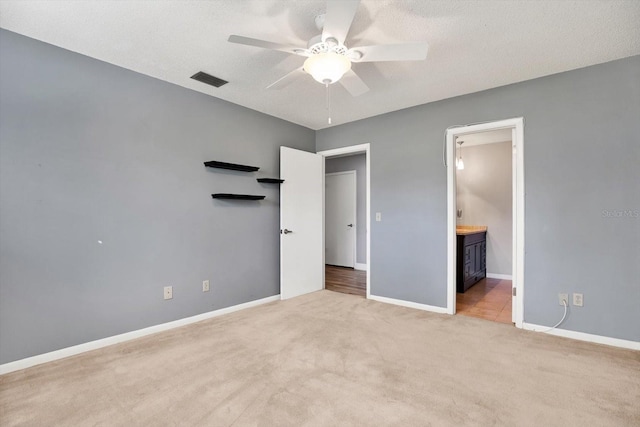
(327, 67)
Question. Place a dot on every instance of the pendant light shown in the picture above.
(459, 161)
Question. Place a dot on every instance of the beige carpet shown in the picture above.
(329, 359)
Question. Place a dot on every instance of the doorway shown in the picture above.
(353, 278)
(484, 225)
(516, 128)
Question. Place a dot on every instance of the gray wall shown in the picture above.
(581, 155)
(356, 163)
(484, 193)
(89, 152)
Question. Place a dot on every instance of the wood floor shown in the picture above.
(345, 280)
(488, 299)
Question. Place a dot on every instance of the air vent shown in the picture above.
(203, 77)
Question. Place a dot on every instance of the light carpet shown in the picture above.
(329, 359)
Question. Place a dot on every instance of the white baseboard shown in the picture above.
(599, 339)
(403, 303)
(360, 266)
(128, 336)
(499, 276)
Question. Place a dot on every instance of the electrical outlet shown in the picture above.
(577, 300)
(205, 286)
(168, 292)
(563, 297)
(378, 216)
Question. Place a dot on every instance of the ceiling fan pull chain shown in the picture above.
(328, 104)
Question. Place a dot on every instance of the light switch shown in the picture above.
(378, 216)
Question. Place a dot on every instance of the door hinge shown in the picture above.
(513, 291)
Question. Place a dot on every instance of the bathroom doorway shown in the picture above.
(486, 220)
(484, 225)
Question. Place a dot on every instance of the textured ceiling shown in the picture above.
(473, 45)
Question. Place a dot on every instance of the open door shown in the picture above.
(301, 223)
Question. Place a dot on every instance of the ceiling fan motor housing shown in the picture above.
(316, 45)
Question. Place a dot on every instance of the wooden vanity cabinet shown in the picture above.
(471, 260)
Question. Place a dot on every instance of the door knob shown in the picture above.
(285, 231)
(349, 225)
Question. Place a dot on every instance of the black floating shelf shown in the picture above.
(270, 180)
(231, 166)
(236, 196)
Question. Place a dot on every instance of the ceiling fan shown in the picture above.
(329, 59)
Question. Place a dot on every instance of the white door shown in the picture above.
(301, 223)
(340, 218)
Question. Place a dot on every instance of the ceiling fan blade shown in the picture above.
(353, 83)
(338, 19)
(286, 79)
(268, 45)
(391, 52)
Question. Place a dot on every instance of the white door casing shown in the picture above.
(301, 223)
(340, 218)
(517, 124)
(357, 149)
(514, 229)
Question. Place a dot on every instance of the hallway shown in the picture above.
(345, 280)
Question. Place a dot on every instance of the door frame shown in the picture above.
(343, 151)
(517, 124)
(355, 211)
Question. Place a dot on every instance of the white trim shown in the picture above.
(355, 149)
(451, 225)
(581, 336)
(340, 173)
(409, 304)
(518, 165)
(518, 251)
(499, 276)
(360, 266)
(324, 227)
(514, 214)
(127, 336)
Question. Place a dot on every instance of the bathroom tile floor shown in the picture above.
(488, 299)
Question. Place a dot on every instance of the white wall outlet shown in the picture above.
(378, 216)
(205, 286)
(168, 292)
(563, 297)
(577, 300)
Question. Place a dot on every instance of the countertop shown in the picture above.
(463, 230)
